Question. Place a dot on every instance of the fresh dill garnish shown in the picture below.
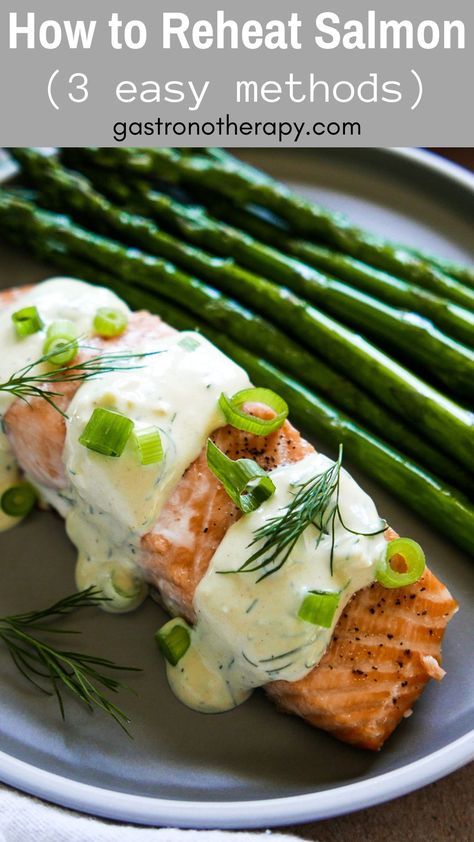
(251, 606)
(289, 652)
(279, 669)
(28, 383)
(246, 658)
(52, 670)
(315, 502)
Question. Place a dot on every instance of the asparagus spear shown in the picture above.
(243, 184)
(406, 335)
(453, 319)
(462, 273)
(438, 418)
(439, 505)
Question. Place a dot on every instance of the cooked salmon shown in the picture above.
(26, 423)
(199, 512)
(387, 644)
(11, 294)
(385, 648)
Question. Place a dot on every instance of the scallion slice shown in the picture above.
(234, 414)
(106, 432)
(413, 557)
(150, 448)
(27, 321)
(18, 500)
(319, 608)
(61, 343)
(109, 322)
(189, 343)
(174, 640)
(125, 583)
(246, 483)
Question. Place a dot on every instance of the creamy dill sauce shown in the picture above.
(248, 633)
(110, 503)
(57, 298)
(117, 501)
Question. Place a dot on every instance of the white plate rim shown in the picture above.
(432, 161)
(325, 804)
(238, 814)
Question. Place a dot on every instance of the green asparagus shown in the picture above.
(243, 184)
(269, 343)
(198, 227)
(406, 335)
(438, 418)
(439, 505)
(462, 273)
(454, 320)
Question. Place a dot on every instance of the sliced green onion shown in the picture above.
(107, 432)
(319, 608)
(125, 583)
(109, 322)
(232, 409)
(189, 343)
(246, 483)
(27, 321)
(149, 445)
(18, 500)
(174, 640)
(413, 557)
(61, 343)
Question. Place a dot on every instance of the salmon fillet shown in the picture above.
(26, 423)
(199, 512)
(7, 296)
(387, 644)
(385, 648)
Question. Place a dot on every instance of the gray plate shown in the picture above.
(252, 766)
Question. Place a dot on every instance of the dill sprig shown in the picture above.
(28, 383)
(52, 670)
(316, 502)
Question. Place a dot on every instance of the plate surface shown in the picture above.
(250, 767)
